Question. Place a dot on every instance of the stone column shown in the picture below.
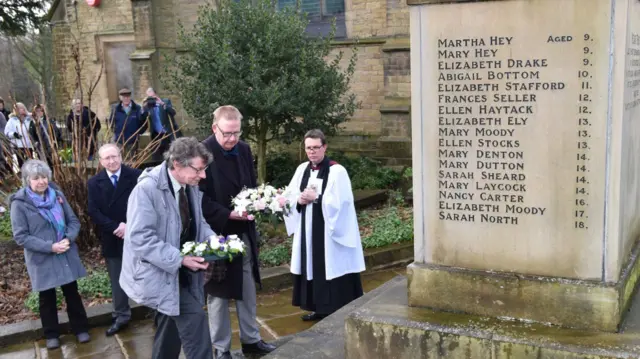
(526, 154)
(142, 58)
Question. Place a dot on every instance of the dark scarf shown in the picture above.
(317, 218)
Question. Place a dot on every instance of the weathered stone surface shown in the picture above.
(326, 339)
(522, 179)
(571, 303)
(386, 327)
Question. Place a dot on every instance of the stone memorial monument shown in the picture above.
(526, 163)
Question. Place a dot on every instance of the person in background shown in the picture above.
(44, 134)
(89, 126)
(109, 192)
(45, 225)
(326, 255)
(163, 123)
(3, 109)
(17, 130)
(231, 171)
(128, 121)
(163, 213)
(5, 168)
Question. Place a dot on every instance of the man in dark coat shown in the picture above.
(109, 192)
(128, 121)
(163, 126)
(80, 115)
(231, 170)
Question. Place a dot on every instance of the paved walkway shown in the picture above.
(276, 315)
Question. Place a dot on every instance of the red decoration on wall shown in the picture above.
(93, 3)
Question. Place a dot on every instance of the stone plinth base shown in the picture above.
(386, 327)
(568, 303)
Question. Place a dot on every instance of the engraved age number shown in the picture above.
(583, 135)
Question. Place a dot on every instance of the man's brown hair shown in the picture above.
(316, 135)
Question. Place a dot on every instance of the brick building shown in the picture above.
(132, 36)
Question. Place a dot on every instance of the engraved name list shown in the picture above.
(488, 103)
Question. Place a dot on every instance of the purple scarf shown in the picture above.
(51, 209)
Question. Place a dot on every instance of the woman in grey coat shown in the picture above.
(45, 225)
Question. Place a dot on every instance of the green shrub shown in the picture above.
(5, 226)
(365, 172)
(276, 255)
(388, 229)
(95, 285)
(33, 301)
(280, 168)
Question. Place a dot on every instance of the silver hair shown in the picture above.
(184, 150)
(107, 145)
(34, 168)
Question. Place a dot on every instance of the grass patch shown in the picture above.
(6, 233)
(95, 285)
(276, 255)
(386, 226)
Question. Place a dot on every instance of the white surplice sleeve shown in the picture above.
(292, 220)
(338, 208)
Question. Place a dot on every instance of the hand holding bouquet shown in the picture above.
(265, 200)
(216, 248)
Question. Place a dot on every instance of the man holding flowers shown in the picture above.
(164, 212)
(231, 171)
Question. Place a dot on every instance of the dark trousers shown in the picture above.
(23, 155)
(75, 309)
(189, 330)
(121, 309)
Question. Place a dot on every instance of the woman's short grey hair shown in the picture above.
(184, 150)
(34, 168)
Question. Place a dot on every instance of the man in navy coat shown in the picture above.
(231, 170)
(109, 192)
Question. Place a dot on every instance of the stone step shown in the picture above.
(386, 327)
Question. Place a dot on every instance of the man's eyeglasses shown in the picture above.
(229, 134)
(313, 148)
(198, 171)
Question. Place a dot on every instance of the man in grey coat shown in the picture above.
(164, 212)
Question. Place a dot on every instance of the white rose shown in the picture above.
(214, 243)
(275, 207)
(200, 248)
(187, 247)
(236, 245)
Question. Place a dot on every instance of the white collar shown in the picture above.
(174, 182)
(109, 173)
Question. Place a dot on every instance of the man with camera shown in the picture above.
(163, 126)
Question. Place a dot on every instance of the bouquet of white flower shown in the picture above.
(216, 248)
(265, 200)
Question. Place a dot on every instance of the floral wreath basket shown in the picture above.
(218, 251)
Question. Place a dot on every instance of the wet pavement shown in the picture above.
(276, 316)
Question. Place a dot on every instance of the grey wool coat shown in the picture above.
(33, 232)
(151, 255)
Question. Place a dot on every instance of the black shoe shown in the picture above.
(260, 347)
(83, 337)
(224, 355)
(115, 328)
(313, 316)
(53, 343)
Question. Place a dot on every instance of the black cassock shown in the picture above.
(320, 295)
